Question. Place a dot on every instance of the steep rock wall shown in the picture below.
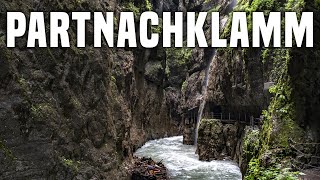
(237, 83)
(78, 112)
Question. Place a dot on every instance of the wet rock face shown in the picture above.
(229, 88)
(217, 141)
(230, 132)
(69, 113)
(189, 135)
(247, 146)
(211, 143)
(192, 89)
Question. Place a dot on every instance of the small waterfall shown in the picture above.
(223, 22)
(204, 91)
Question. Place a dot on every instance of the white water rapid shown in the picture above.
(182, 162)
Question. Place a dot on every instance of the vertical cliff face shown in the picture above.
(303, 70)
(237, 81)
(237, 85)
(78, 112)
(194, 87)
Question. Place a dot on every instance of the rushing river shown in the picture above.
(182, 162)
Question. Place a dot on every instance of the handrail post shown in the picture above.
(221, 116)
(229, 116)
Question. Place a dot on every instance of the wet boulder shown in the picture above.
(148, 169)
(211, 144)
(217, 141)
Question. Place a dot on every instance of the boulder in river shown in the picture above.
(216, 141)
(147, 169)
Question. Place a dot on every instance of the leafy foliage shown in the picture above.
(274, 172)
(279, 119)
(131, 7)
(177, 58)
(148, 5)
(138, 8)
(74, 165)
(251, 144)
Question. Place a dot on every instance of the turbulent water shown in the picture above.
(182, 162)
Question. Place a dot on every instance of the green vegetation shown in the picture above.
(178, 56)
(265, 55)
(157, 29)
(184, 86)
(317, 3)
(137, 9)
(279, 119)
(148, 5)
(280, 109)
(154, 69)
(295, 5)
(74, 165)
(251, 143)
(177, 61)
(23, 83)
(42, 111)
(131, 7)
(215, 9)
(76, 103)
(210, 121)
(275, 172)
(113, 79)
(6, 151)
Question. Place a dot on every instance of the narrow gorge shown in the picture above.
(205, 113)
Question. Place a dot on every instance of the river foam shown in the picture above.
(182, 162)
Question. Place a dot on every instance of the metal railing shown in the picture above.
(232, 118)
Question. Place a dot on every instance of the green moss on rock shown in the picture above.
(280, 119)
(42, 111)
(72, 164)
(178, 56)
(154, 70)
(6, 151)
